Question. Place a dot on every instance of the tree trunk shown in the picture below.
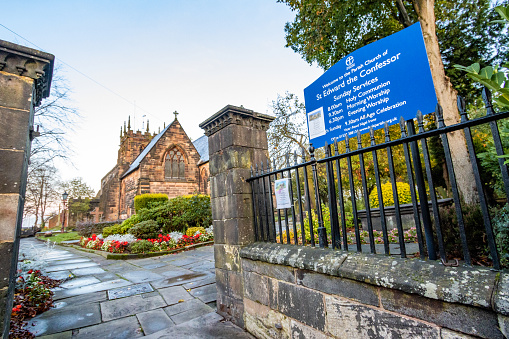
(446, 96)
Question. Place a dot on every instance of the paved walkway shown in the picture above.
(172, 296)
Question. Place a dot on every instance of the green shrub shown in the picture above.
(192, 230)
(129, 223)
(474, 229)
(148, 229)
(148, 200)
(404, 195)
(326, 223)
(141, 246)
(109, 230)
(501, 230)
(180, 213)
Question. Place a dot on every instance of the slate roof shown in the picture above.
(202, 147)
(201, 144)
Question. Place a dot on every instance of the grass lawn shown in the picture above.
(59, 237)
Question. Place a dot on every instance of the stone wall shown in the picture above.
(109, 196)
(302, 292)
(237, 140)
(130, 187)
(25, 78)
(288, 291)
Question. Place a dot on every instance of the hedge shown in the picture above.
(148, 200)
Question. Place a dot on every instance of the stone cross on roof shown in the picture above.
(176, 113)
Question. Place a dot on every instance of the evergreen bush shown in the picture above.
(404, 195)
(501, 230)
(109, 230)
(129, 223)
(474, 229)
(148, 229)
(180, 213)
(141, 246)
(148, 201)
(192, 230)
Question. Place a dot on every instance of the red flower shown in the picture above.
(30, 272)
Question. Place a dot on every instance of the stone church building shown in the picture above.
(168, 163)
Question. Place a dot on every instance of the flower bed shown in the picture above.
(32, 296)
(127, 243)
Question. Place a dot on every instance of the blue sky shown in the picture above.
(191, 56)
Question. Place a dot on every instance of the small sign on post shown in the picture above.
(283, 199)
(378, 83)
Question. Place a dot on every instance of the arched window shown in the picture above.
(174, 165)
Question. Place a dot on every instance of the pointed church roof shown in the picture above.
(202, 149)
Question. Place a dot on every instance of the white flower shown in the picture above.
(176, 236)
(121, 237)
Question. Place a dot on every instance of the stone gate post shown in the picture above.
(25, 77)
(237, 140)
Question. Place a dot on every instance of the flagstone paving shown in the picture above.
(172, 296)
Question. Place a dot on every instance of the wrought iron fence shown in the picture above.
(304, 224)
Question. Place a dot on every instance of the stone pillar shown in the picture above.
(237, 140)
(25, 78)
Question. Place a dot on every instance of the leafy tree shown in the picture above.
(491, 76)
(77, 189)
(324, 31)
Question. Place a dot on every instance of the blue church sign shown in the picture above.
(380, 82)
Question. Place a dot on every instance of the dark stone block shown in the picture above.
(302, 304)
(284, 273)
(235, 285)
(314, 259)
(16, 92)
(222, 281)
(470, 286)
(231, 309)
(256, 287)
(214, 144)
(219, 236)
(235, 181)
(227, 257)
(260, 139)
(218, 206)
(351, 289)
(466, 319)
(17, 123)
(6, 252)
(239, 231)
(347, 319)
(238, 206)
(218, 185)
(273, 293)
(11, 168)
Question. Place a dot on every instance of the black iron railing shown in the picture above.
(303, 223)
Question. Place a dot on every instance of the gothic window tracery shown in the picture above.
(175, 166)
